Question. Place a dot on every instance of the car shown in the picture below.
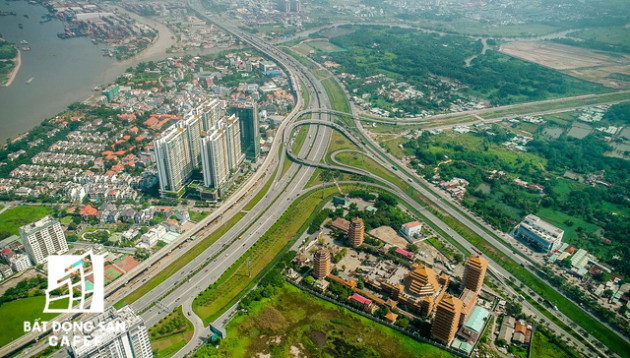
(206, 270)
(188, 314)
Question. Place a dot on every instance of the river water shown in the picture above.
(63, 71)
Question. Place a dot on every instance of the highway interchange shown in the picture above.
(181, 288)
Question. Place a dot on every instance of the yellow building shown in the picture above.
(321, 263)
(356, 231)
(446, 319)
(422, 281)
(475, 272)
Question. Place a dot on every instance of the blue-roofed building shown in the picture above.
(472, 328)
(477, 319)
(462, 346)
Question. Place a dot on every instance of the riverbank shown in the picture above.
(18, 64)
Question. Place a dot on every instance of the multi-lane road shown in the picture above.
(181, 288)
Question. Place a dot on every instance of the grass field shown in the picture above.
(212, 302)
(12, 219)
(299, 322)
(297, 145)
(305, 95)
(542, 347)
(611, 35)
(197, 216)
(365, 162)
(178, 264)
(472, 27)
(336, 95)
(261, 193)
(299, 139)
(14, 314)
(170, 334)
(324, 46)
(581, 318)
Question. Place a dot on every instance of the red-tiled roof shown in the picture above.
(405, 253)
(341, 224)
(89, 210)
(358, 298)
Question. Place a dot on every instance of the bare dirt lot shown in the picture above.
(556, 56)
(389, 235)
(577, 62)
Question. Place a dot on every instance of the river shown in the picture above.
(63, 71)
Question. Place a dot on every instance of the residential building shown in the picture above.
(232, 129)
(520, 332)
(42, 238)
(214, 160)
(422, 281)
(152, 236)
(247, 113)
(221, 152)
(411, 230)
(507, 329)
(5, 271)
(356, 232)
(107, 339)
(475, 272)
(446, 319)
(20, 262)
(321, 263)
(539, 234)
(177, 153)
(209, 112)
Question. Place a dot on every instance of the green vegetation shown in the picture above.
(23, 289)
(261, 193)
(579, 209)
(179, 263)
(170, 334)
(337, 97)
(316, 327)
(212, 302)
(544, 347)
(197, 216)
(12, 219)
(616, 39)
(387, 58)
(8, 52)
(305, 95)
(14, 314)
(602, 333)
(299, 139)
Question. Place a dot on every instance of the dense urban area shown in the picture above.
(339, 178)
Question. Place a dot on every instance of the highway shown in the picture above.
(437, 222)
(445, 203)
(207, 267)
(181, 288)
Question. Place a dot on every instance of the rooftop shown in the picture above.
(477, 319)
(362, 300)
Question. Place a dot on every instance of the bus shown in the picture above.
(477, 250)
